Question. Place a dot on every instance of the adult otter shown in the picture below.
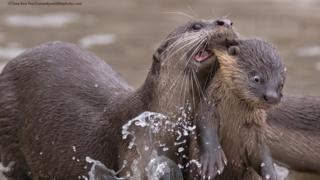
(60, 104)
(246, 84)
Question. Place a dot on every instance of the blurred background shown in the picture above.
(125, 33)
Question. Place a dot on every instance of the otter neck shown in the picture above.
(232, 109)
(135, 102)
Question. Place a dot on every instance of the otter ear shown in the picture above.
(157, 59)
(234, 50)
(157, 55)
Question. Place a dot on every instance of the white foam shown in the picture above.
(93, 175)
(74, 148)
(97, 39)
(311, 51)
(144, 119)
(3, 169)
(51, 20)
(8, 53)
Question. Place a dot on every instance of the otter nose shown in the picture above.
(224, 22)
(271, 97)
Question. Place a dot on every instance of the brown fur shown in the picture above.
(237, 109)
(56, 96)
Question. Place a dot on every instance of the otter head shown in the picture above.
(184, 60)
(254, 72)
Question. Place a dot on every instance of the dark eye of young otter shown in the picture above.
(196, 26)
(256, 79)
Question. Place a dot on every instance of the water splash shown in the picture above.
(99, 171)
(153, 126)
(146, 119)
(160, 166)
(5, 169)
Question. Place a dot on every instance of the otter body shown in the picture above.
(247, 83)
(293, 133)
(61, 107)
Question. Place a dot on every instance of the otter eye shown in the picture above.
(256, 79)
(197, 26)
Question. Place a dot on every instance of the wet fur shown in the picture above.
(70, 99)
(293, 133)
(241, 125)
(56, 96)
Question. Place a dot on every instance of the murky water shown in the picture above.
(125, 33)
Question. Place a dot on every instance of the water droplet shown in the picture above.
(74, 149)
(180, 149)
(267, 176)
(165, 149)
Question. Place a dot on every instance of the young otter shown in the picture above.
(60, 105)
(246, 84)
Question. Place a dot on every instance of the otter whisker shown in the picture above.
(183, 87)
(192, 11)
(213, 14)
(196, 46)
(195, 78)
(181, 13)
(186, 51)
(178, 42)
(186, 90)
(192, 92)
(172, 53)
(225, 16)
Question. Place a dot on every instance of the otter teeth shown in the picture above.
(202, 55)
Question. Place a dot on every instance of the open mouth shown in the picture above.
(202, 55)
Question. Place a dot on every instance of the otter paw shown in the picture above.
(212, 163)
(269, 173)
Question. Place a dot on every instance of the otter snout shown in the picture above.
(271, 97)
